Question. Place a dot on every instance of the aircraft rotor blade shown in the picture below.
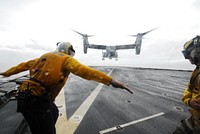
(148, 31)
(133, 35)
(84, 35)
(78, 33)
(90, 35)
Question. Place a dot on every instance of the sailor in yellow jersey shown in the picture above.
(48, 74)
(191, 96)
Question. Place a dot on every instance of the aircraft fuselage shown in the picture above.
(110, 52)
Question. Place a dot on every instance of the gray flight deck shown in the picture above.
(154, 108)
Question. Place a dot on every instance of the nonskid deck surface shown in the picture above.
(87, 107)
(155, 106)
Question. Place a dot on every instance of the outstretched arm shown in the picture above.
(89, 73)
(24, 66)
(118, 84)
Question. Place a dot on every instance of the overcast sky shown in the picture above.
(28, 28)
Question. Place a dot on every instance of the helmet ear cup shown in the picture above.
(195, 56)
(197, 59)
(57, 43)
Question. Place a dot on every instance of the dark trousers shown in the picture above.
(41, 115)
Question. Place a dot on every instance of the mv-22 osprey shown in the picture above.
(111, 51)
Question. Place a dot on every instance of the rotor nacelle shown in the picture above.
(137, 50)
(85, 41)
(85, 47)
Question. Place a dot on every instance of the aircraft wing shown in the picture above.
(130, 46)
(97, 46)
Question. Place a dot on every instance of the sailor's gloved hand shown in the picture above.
(194, 103)
(118, 84)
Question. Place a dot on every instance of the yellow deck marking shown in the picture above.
(62, 119)
(64, 126)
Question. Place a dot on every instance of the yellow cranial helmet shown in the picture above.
(65, 47)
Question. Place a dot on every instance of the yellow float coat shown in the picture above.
(52, 70)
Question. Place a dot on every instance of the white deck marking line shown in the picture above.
(131, 123)
(69, 126)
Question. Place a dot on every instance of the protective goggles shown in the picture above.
(186, 54)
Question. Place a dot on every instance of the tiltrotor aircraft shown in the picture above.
(111, 51)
